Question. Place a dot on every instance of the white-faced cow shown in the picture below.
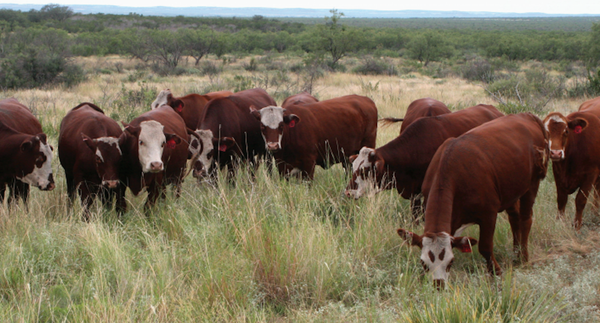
(25, 154)
(155, 152)
(231, 133)
(402, 162)
(419, 108)
(89, 151)
(190, 107)
(322, 133)
(494, 167)
(574, 143)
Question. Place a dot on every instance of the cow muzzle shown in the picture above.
(49, 186)
(111, 183)
(440, 284)
(557, 155)
(351, 194)
(272, 146)
(156, 167)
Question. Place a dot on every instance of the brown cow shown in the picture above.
(574, 143)
(189, 107)
(403, 161)
(154, 152)
(25, 155)
(494, 167)
(88, 148)
(229, 126)
(322, 133)
(426, 107)
(300, 98)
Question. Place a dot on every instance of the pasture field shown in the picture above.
(271, 250)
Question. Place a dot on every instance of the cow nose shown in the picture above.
(439, 284)
(49, 187)
(273, 145)
(156, 166)
(110, 184)
(556, 154)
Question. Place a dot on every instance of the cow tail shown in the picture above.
(388, 121)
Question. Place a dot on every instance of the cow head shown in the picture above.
(107, 159)
(558, 128)
(165, 97)
(204, 159)
(35, 158)
(436, 252)
(273, 120)
(367, 172)
(151, 142)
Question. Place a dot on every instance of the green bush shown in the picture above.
(371, 66)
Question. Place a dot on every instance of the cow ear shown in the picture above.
(463, 244)
(412, 238)
(133, 130)
(93, 144)
(379, 164)
(30, 143)
(172, 140)
(291, 120)
(353, 158)
(577, 125)
(255, 112)
(226, 143)
(42, 137)
(177, 105)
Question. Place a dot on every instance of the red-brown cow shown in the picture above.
(228, 125)
(494, 167)
(403, 161)
(189, 107)
(574, 143)
(25, 155)
(417, 109)
(88, 148)
(154, 152)
(322, 133)
(300, 98)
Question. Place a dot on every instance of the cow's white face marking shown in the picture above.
(161, 99)
(207, 155)
(150, 146)
(272, 117)
(361, 163)
(437, 256)
(41, 176)
(99, 154)
(462, 228)
(556, 118)
(112, 141)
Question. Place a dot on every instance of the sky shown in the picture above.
(518, 6)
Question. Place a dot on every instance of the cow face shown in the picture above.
(367, 172)
(165, 97)
(273, 120)
(107, 158)
(204, 159)
(35, 156)
(436, 252)
(151, 142)
(558, 128)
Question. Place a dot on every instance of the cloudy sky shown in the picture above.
(519, 6)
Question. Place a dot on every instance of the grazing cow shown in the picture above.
(322, 133)
(417, 109)
(154, 152)
(300, 98)
(403, 161)
(25, 155)
(189, 107)
(88, 148)
(231, 128)
(494, 167)
(574, 143)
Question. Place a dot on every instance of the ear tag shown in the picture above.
(179, 108)
(292, 123)
(466, 248)
(171, 144)
(577, 129)
(223, 148)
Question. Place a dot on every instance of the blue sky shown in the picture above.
(553, 7)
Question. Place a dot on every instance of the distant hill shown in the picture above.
(273, 12)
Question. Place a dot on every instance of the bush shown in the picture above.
(371, 66)
(478, 70)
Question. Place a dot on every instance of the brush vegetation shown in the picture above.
(267, 249)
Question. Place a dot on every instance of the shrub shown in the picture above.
(478, 70)
(371, 66)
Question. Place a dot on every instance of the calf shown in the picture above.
(417, 109)
(25, 155)
(88, 148)
(300, 98)
(402, 162)
(322, 133)
(154, 153)
(494, 167)
(229, 126)
(574, 143)
(189, 107)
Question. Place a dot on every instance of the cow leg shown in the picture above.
(2, 191)
(581, 201)
(562, 196)
(121, 203)
(486, 243)
(86, 199)
(18, 190)
(515, 225)
(596, 199)
(525, 221)
(154, 191)
(71, 188)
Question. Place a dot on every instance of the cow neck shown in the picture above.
(440, 201)
(10, 145)
(397, 156)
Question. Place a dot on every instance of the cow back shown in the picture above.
(17, 116)
(420, 108)
(591, 106)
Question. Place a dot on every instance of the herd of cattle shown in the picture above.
(468, 165)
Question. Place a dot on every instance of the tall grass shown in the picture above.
(270, 249)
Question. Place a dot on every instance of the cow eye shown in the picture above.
(210, 154)
(141, 143)
(51, 148)
(163, 144)
(262, 126)
(424, 266)
(98, 160)
(450, 264)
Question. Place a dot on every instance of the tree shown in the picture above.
(334, 38)
(427, 47)
(198, 42)
(594, 47)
